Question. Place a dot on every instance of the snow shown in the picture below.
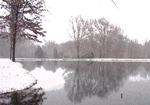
(49, 80)
(85, 59)
(14, 77)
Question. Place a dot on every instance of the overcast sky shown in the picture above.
(131, 15)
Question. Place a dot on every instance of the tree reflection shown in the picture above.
(39, 63)
(94, 79)
(76, 91)
(24, 97)
(51, 66)
(29, 65)
(110, 78)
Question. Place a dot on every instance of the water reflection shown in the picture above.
(142, 74)
(25, 97)
(94, 79)
(47, 79)
(89, 79)
(51, 66)
(31, 65)
(39, 63)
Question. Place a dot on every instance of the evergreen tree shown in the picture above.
(55, 53)
(39, 53)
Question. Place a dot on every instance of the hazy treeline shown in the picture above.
(95, 38)
(120, 48)
(24, 48)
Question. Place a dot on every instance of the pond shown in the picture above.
(84, 83)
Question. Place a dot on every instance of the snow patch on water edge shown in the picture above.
(13, 77)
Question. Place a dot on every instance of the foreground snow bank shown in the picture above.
(13, 77)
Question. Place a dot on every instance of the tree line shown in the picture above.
(98, 38)
(90, 38)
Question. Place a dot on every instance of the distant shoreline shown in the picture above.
(84, 59)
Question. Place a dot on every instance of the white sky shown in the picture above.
(132, 16)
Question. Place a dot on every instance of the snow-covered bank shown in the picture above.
(85, 59)
(13, 77)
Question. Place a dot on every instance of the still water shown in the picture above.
(84, 83)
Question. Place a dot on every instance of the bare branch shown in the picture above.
(24, 8)
(114, 3)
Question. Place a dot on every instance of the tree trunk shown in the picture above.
(78, 51)
(14, 29)
(10, 46)
(13, 46)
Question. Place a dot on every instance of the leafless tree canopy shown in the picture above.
(22, 16)
(99, 34)
(78, 29)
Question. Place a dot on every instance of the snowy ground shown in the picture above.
(13, 77)
(85, 59)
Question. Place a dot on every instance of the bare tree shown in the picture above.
(78, 31)
(21, 18)
(101, 27)
(91, 34)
